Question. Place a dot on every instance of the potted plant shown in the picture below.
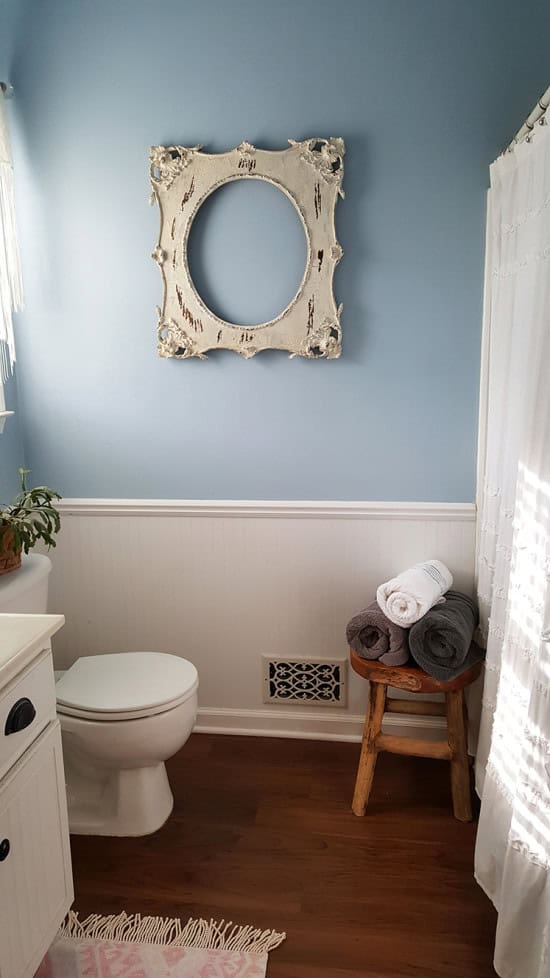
(29, 518)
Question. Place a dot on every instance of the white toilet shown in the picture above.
(122, 716)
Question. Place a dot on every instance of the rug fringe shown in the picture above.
(170, 932)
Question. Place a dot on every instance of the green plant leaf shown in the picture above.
(30, 517)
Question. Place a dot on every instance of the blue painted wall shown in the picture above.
(425, 95)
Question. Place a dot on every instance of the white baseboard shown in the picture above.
(304, 726)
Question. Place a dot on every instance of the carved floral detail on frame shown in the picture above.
(246, 148)
(325, 341)
(326, 156)
(173, 341)
(310, 173)
(168, 162)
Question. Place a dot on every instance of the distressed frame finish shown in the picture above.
(310, 174)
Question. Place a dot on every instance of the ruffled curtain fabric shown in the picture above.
(512, 860)
(11, 285)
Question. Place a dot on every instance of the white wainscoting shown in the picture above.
(223, 582)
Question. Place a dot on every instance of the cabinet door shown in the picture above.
(35, 868)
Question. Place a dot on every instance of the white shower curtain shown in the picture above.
(512, 859)
(11, 286)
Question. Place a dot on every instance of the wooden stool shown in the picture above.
(414, 680)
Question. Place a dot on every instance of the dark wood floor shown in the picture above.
(262, 833)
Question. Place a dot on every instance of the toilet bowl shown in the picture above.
(122, 715)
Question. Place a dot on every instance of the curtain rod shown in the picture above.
(7, 89)
(531, 120)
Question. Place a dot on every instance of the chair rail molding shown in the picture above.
(272, 509)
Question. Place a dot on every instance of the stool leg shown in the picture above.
(367, 759)
(457, 729)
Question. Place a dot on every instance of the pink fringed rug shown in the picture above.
(156, 947)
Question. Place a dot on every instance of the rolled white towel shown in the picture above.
(407, 597)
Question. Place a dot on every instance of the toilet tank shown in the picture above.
(25, 591)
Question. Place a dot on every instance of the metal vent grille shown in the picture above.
(317, 682)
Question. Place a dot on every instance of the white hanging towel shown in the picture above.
(407, 597)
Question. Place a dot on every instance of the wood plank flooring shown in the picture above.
(262, 833)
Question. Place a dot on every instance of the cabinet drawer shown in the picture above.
(27, 705)
(35, 863)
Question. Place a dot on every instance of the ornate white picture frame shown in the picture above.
(310, 173)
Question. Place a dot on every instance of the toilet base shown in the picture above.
(130, 802)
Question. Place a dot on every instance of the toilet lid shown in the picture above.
(125, 685)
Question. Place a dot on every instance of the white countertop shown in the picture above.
(22, 637)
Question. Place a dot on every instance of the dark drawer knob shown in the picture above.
(4, 849)
(20, 716)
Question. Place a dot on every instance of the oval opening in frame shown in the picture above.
(247, 252)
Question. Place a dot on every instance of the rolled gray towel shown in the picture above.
(373, 636)
(441, 642)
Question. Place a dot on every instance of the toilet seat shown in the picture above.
(125, 686)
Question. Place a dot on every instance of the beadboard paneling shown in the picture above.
(221, 583)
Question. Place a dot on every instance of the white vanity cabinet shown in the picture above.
(36, 888)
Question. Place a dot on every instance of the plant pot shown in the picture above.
(10, 559)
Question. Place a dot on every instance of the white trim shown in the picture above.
(4, 415)
(307, 726)
(273, 509)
